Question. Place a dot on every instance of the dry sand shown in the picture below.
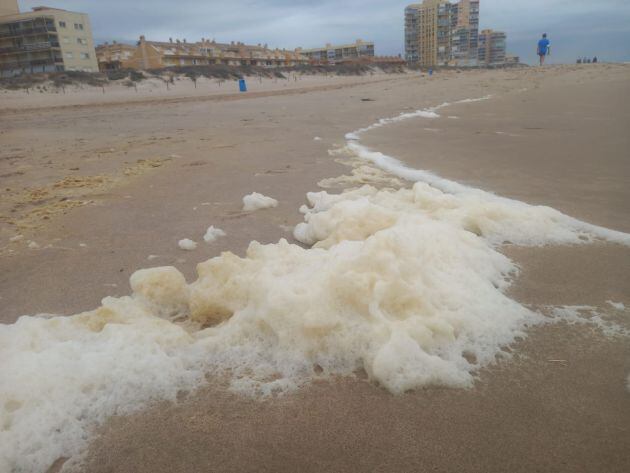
(154, 90)
(562, 142)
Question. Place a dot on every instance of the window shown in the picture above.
(85, 55)
(78, 26)
(81, 40)
(69, 55)
(66, 40)
(62, 24)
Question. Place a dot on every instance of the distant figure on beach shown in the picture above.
(579, 61)
(595, 60)
(543, 48)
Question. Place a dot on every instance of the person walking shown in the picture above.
(543, 48)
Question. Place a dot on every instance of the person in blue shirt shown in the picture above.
(543, 48)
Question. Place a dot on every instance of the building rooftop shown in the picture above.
(35, 12)
(42, 7)
(358, 42)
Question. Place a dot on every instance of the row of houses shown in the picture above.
(155, 55)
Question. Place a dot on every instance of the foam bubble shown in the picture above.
(616, 305)
(212, 234)
(256, 201)
(163, 291)
(187, 244)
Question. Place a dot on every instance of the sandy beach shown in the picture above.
(98, 186)
(159, 90)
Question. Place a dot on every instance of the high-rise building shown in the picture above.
(46, 40)
(412, 34)
(428, 33)
(438, 33)
(492, 46)
(464, 32)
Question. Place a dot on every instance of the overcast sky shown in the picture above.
(576, 27)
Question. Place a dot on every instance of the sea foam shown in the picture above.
(257, 201)
(213, 234)
(187, 244)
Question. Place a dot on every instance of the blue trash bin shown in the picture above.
(242, 86)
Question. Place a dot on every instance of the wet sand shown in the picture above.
(531, 414)
(560, 142)
(559, 405)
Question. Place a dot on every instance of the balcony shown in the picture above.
(29, 47)
(21, 32)
(38, 46)
(28, 64)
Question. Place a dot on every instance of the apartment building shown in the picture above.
(157, 55)
(331, 54)
(9, 7)
(492, 47)
(464, 33)
(45, 40)
(440, 33)
(428, 27)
